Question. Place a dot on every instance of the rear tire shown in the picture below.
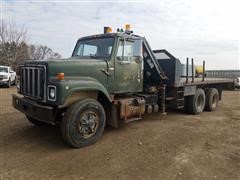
(186, 104)
(196, 103)
(212, 98)
(36, 122)
(83, 123)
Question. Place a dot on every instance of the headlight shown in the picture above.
(52, 93)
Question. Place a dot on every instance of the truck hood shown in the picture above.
(73, 68)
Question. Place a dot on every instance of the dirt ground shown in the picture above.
(176, 146)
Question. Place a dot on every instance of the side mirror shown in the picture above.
(138, 59)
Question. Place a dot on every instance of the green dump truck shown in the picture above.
(111, 78)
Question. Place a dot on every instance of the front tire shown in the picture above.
(9, 83)
(197, 102)
(83, 123)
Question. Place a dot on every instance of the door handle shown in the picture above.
(106, 72)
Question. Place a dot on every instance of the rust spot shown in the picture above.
(131, 107)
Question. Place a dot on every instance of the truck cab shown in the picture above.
(121, 61)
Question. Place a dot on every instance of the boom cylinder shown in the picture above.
(163, 96)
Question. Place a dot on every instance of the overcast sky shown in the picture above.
(203, 29)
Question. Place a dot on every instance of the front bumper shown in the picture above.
(29, 107)
(3, 81)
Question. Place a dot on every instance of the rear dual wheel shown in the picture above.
(212, 98)
(196, 103)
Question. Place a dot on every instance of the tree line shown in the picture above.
(14, 48)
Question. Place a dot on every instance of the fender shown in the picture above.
(84, 87)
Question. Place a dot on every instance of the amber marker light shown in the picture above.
(109, 30)
(60, 76)
(127, 27)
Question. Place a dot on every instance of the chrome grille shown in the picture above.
(32, 81)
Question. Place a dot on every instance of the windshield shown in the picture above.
(3, 69)
(94, 48)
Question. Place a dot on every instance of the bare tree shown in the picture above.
(14, 49)
(41, 52)
(12, 40)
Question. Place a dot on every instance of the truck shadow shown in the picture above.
(31, 137)
(26, 136)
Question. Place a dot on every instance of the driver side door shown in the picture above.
(128, 73)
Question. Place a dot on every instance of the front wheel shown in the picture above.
(83, 123)
(9, 83)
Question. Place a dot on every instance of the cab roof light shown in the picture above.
(128, 29)
(107, 29)
(60, 76)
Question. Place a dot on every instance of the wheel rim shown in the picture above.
(214, 101)
(88, 123)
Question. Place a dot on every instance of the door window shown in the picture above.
(125, 51)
